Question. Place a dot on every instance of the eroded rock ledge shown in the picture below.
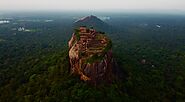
(90, 55)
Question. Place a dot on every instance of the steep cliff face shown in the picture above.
(91, 55)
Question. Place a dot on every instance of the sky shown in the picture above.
(94, 5)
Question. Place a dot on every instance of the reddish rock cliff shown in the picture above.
(91, 55)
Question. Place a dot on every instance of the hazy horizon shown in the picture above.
(93, 5)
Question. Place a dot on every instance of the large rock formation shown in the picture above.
(91, 55)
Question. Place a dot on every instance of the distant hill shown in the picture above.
(92, 21)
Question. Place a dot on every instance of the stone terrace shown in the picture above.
(91, 41)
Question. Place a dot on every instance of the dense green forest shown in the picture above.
(34, 63)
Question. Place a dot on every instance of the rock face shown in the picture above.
(91, 55)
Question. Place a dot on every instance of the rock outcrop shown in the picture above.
(90, 55)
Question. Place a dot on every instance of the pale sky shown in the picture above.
(92, 5)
